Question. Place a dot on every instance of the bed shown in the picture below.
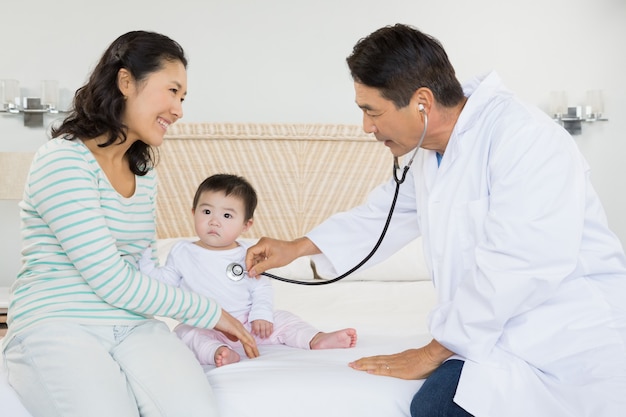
(302, 173)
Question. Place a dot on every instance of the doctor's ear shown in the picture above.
(424, 99)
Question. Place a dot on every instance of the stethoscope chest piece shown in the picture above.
(235, 272)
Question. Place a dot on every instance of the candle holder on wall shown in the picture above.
(33, 108)
(573, 117)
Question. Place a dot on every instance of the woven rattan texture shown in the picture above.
(302, 173)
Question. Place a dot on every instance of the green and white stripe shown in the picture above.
(81, 243)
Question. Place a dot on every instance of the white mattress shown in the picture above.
(389, 317)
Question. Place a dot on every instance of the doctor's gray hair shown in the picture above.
(398, 60)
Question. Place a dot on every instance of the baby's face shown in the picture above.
(219, 220)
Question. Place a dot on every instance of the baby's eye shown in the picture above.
(206, 211)
(228, 215)
(174, 90)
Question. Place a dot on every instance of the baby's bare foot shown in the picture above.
(225, 355)
(345, 338)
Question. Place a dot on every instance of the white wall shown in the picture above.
(284, 61)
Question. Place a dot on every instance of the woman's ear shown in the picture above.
(124, 81)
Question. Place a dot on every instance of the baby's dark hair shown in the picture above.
(231, 185)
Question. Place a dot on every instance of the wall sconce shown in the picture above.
(33, 108)
(572, 117)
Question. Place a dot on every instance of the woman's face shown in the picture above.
(154, 103)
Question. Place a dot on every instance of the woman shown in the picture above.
(81, 339)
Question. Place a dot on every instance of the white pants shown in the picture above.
(72, 370)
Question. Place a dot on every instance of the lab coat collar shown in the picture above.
(479, 91)
(429, 170)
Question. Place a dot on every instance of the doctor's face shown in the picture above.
(398, 129)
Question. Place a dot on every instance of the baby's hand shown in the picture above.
(262, 328)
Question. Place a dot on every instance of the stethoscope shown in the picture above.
(236, 271)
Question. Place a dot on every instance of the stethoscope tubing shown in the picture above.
(398, 181)
(360, 264)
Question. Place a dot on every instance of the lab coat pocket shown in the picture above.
(471, 217)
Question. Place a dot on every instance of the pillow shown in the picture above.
(407, 264)
(299, 269)
(163, 247)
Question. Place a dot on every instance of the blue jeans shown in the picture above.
(434, 398)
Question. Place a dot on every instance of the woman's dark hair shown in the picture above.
(398, 60)
(230, 185)
(98, 105)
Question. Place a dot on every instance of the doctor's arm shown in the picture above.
(347, 237)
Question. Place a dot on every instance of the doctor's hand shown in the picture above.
(410, 364)
(271, 253)
(234, 330)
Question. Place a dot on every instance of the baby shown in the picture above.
(223, 209)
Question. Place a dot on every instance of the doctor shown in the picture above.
(531, 283)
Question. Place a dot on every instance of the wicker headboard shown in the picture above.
(302, 172)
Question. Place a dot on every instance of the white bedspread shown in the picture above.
(389, 317)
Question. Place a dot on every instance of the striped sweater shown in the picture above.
(81, 243)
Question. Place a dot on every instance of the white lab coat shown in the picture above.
(531, 283)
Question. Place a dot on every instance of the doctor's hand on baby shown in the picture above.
(270, 253)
